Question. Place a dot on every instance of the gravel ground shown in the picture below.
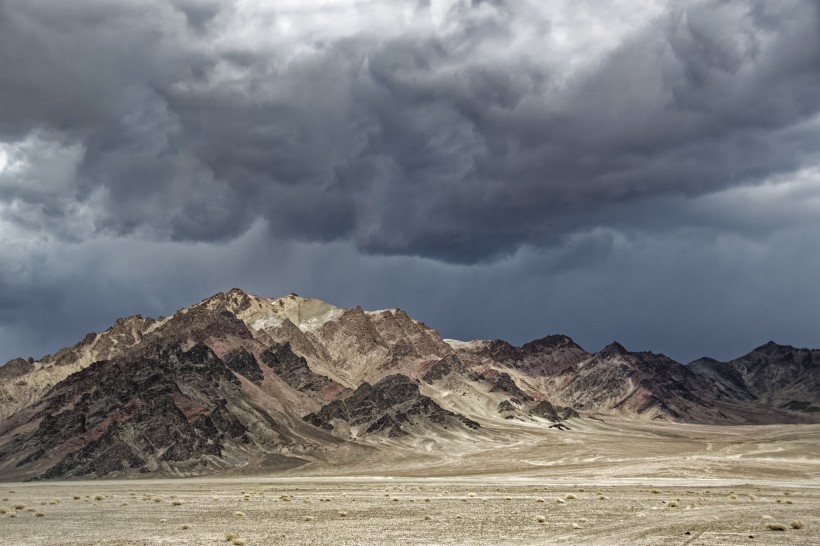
(408, 511)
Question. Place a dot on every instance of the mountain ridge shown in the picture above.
(284, 370)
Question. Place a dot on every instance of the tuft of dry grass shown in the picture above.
(342, 514)
(76, 497)
(18, 506)
(185, 526)
(541, 519)
(539, 500)
(427, 517)
(775, 527)
(570, 497)
(39, 514)
(308, 518)
(239, 514)
(229, 537)
(177, 503)
(673, 504)
(655, 492)
(560, 501)
(797, 524)
(576, 526)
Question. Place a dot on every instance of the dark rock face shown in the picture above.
(502, 381)
(293, 369)
(15, 368)
(549, 411)
(387, 407)
(241, 361)
(781, 376)
(443, 368)
(173, 410)
(506, 405)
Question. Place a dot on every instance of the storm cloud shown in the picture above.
(641, 170)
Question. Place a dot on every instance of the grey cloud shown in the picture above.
(503, 169)
(448, 142)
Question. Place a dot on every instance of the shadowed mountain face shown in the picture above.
(174, 411)
(780, 376)
(391, 407)
(242, 382)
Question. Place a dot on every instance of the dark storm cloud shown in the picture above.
(460, 140)
(543, 166)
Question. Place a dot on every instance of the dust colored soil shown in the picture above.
(599, 483)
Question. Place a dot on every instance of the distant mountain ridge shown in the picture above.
(242, 382)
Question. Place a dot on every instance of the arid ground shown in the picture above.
(598, 484)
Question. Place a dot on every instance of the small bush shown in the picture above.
(541, 519)
(18, 506)
(308, 518)
(185, 526)
(342, 514)
(775, 527)
(576, 526)
(560, 501)
(539, 500)
(39, 514)
(231, 536)
(797, 524)
(76, 497)
(655, 492)
(570, 497)
(239, 514)
(673, 504)
(177, 503)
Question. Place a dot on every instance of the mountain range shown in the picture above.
(242, 383)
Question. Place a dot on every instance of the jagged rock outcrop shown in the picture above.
(175, 412)
(547, 410)
(294, 370)
(390, 407)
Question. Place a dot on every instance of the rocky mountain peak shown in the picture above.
(613, 350)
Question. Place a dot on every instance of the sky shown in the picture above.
(646, 171)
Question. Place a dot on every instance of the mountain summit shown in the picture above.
(239, 382)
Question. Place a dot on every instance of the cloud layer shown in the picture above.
(596, 168)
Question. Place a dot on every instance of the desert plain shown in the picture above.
(613, 482)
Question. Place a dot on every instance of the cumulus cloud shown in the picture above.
(475, 142)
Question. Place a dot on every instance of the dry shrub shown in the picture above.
(560, 501)
(673, 504)
(797, 524)
(231, 536)
(239, 514)
(185, 526)
(18, 506)
(342, 514)
(570, 497)
(775, 527)
(177, 503)
(541, 519)
(539, 500)
(308, 518)
(39, 514)
(427, 517)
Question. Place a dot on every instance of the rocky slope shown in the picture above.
(240, 382)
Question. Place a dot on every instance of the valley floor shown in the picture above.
(613, 483)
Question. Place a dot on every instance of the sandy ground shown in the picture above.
(628, 483)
